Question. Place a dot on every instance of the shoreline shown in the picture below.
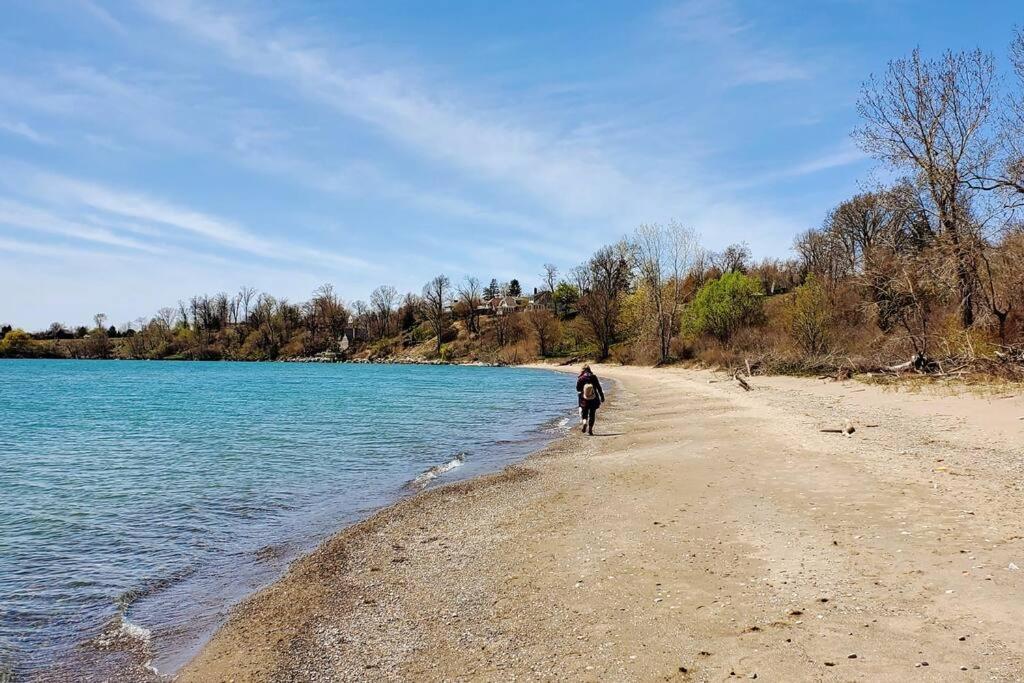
(209, 662)
(677, 545)
(122, 651)
(221, 656)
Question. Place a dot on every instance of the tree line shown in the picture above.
(929, 266)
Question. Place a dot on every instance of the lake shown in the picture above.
(143, 499)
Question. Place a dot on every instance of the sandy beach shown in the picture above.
(704, 533)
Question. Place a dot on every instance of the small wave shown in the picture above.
(434, 472)
(121, 634)
(151, 587)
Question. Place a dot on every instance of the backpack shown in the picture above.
(589, 392)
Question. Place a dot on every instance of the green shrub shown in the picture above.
(16, 344)
(723, 306)
(809, 317)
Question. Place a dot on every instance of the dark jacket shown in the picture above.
(589, 378)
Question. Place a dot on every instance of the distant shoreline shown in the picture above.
(311, 361)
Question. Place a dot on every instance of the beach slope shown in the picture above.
(705, 532)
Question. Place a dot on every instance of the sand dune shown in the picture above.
(704, 533)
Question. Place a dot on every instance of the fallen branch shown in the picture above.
(920, 363)
(742, 382)
(848, 429)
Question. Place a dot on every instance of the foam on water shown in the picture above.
(123, 630)
(423, 479)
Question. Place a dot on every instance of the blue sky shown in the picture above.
(155, 149)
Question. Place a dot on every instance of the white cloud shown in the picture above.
(843, 155)
(572, 178)
(26, 131)
(17, 214)
(102, 15)
(47, 250)
(732, 42)
(78, 195)
(575, 179)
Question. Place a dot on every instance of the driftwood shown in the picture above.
(848, 429)
(840, 375)
(742, 382)
(919, 363)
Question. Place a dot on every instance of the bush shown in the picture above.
(16, 344)
(724, 305)
(809, 317)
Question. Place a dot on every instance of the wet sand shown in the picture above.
(704, 533)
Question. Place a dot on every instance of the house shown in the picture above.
(500, 305)
(540, 301)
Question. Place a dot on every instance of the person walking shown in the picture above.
(591, 396)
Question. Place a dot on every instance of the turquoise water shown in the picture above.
(156, 494)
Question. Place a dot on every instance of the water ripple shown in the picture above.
(171, 489)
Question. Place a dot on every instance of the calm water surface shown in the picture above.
(156, 494)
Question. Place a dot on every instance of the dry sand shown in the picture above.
(705, 533)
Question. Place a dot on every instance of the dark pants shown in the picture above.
(590, 413)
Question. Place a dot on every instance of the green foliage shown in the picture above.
(809, 317)
(492, 289)
(16, 344)
(724, 305)
(565, 298)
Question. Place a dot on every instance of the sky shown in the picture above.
(151, 150)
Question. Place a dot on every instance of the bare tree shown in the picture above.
(360, 316)
(243, 302)
(701, 265)
(859, 223)
(931, 116)
(470, 301)
(101, 320)
(664, 255)
(550, 277)
(434, 306)
(545, 328)
(821, 255)
(167, 317)
(382, 302)
(507, 328)
(580, 276)
(325, 318)
(608, 273)
(734, 258)
(1008, 175)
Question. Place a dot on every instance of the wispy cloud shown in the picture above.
(733, 43)
(101, 15)
(573, 179)
(569, 177)
(846, 155)
(76, 195)
(51, 251)
(20, 215)
(842, 155)
(26, 131)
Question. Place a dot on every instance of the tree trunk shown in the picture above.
(966, 289)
